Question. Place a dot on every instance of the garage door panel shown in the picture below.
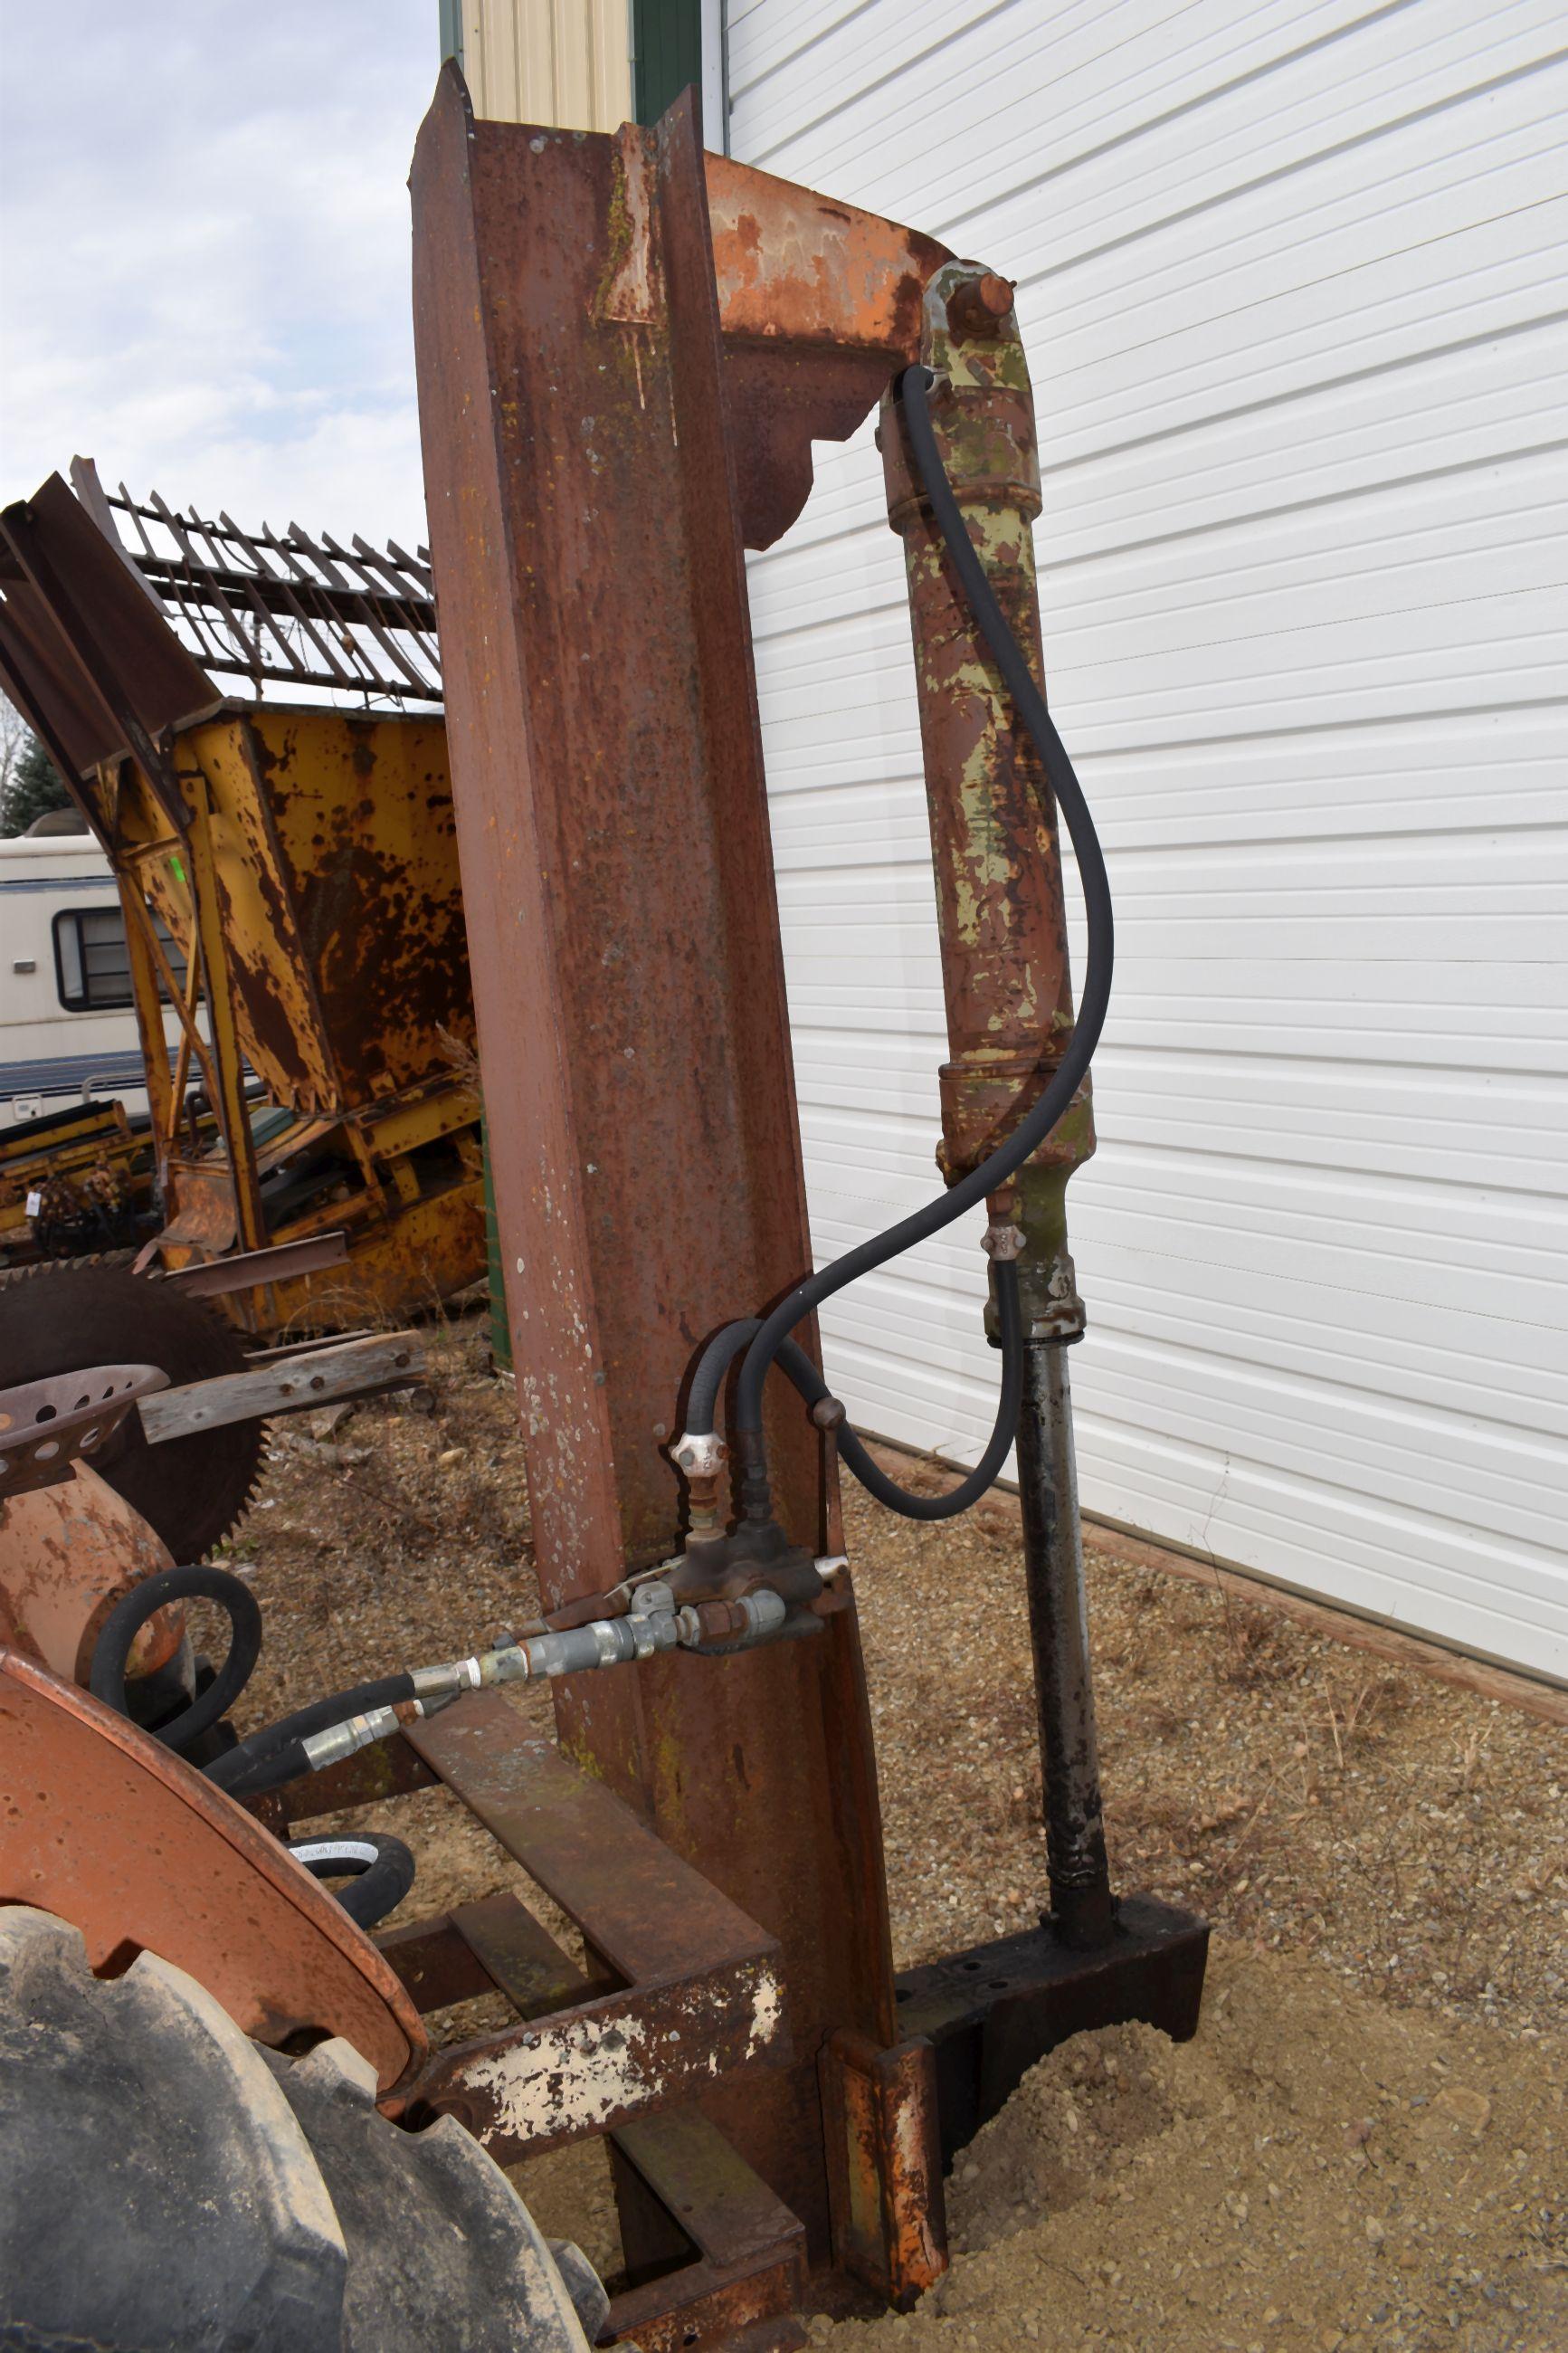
(1100, 76)
(1293, 288)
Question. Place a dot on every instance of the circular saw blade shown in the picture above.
(63, 1315)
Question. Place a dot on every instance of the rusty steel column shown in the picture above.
(617, 876)
(1003, 926)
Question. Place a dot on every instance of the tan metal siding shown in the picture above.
(566, 62)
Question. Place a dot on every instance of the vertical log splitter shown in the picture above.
(626, 349)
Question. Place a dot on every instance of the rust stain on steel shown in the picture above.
(752, 2313)
(519, 1956)
(337, 869)
(793, 267)
(701, 1995)
(304, 863)
(47, 1426)
(890, 2226)
(158, 1860)
(818, 304)
(633, 283)
(640, 1905)
(624, 940)
(96, 667)
(67, 1554)
(389, 1769)
(435, 1963)
(255, 1267)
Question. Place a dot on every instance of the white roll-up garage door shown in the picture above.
(1291, 281)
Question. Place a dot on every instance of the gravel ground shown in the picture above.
(1384, 1859)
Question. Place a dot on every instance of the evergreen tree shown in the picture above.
(33, 786)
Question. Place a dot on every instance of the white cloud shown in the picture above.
(205, 252)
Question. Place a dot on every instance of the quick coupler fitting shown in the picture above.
(355, 1731)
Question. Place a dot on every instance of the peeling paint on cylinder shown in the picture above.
(1001, 913)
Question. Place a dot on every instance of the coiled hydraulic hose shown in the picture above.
(112, 1651)
(270, 1757)
(770, 1335)
(379, 1871)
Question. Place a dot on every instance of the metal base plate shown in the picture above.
(993, 2011)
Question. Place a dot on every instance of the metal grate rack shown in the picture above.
(286, 609)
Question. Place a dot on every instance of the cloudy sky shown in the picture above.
(205, 252)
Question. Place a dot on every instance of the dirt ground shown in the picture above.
(1315, 2173)
(1363, 2147)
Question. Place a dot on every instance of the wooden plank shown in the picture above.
(385, 1361)
(1507, 1686)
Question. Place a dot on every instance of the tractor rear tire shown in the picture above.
(167, 2184)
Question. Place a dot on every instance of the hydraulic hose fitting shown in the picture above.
(702, 1456)
(448, 1681)
(346, 1739)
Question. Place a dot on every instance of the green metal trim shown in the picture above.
(667, 53)
(500, 1329)
(452, 32)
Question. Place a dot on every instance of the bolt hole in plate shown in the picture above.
(74, 1424)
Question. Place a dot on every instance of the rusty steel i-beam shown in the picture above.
(586, 531)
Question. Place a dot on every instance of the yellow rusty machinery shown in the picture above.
(289, 878)
(75, 1179)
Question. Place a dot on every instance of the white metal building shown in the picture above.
(1291, 276)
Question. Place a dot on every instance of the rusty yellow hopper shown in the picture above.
(288, 876)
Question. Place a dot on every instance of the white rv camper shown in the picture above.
(67, 1032)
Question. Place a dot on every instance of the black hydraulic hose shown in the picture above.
(236, 1765)
(280, 1766)
(727, 1345)
(267, 1757)
(1032, 1131)
(947, 1506)
(130, 1614)
(382, 1869)
(702, 1404)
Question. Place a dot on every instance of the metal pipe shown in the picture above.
(1082, 1911)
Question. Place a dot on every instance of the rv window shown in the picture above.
(91, 967)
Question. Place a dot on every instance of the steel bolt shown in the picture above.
(979, 305)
